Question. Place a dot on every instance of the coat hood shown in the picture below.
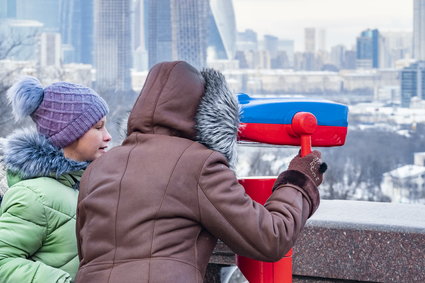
(168, 101)
(178, 100)
(29, 154)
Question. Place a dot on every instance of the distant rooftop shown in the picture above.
(21, 23)
(407, 171)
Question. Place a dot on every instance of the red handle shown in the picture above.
(304, 124)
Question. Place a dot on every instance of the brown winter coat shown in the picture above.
(151, 210)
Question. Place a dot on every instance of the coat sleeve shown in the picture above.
(22, 232)
(260, 232)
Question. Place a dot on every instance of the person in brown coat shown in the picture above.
(152, 209)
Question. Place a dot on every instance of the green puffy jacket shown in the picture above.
(38, 213)
(37, 224)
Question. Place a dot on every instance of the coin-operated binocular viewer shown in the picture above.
(285, 121)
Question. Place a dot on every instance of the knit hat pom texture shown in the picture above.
(25, 97)
(62, 111)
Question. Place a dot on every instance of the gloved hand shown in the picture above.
(310, 165)
(306, 173)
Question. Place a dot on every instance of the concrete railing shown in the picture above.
(356, 241)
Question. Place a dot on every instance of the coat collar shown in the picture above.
(28, 154)
(217, 117)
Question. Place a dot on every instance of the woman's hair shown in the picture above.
(62, 111)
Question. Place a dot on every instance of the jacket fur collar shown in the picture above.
(29, 154)
(217, 118)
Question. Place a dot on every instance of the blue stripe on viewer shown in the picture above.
(281, 110)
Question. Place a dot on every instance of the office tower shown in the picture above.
(246, 40)
(271, 44)
(321, 40)
(139, 35)
(310, 40)
(191, 22)
(222, 29)
(398, 45)
(3, 9)
(368, 49)
(338, 56)
(412, 83)
(286, 47)
(11, 8)
(178, 31)
(77, 30)
(350, 60)
(112, 54)
(50, 49)
(160, 34)
(308, 61)
(44, 11)
(138, 23)
(419, 29)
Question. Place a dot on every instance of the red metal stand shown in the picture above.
(259, 189)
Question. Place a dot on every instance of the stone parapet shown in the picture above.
(357, 241)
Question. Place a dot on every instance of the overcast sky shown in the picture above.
(343, 20)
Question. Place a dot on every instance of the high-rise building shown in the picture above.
(419, 29)
(191, 22)
(412, 83)
(50, 49)
(321, 40)
(338, 56)
(77, 30)
(222, 29)
(139, 35)
(268, 52)
(112, 54)
(271, 45)
(310, 40)
(286, 46)
(368, 49)
(246, 40)
(3, 9)
(396, 45)
(160, 33)
(139, 24)
(350, 60)
(178, 31)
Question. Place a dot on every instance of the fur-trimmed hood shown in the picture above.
(29, 154)
(178, 100)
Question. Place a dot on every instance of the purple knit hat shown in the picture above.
(63, 112)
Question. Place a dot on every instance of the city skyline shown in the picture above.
(343, 20)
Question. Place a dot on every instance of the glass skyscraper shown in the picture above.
(112, 53)
(7, 9)
(160, 34)
(310, 40)
(77, 29)
(412, 83)
(178, 31)
(222, 29)
(419, 29)
(368, 49)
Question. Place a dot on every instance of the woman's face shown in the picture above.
(91, 145)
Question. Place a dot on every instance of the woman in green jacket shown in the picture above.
(44, 166)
